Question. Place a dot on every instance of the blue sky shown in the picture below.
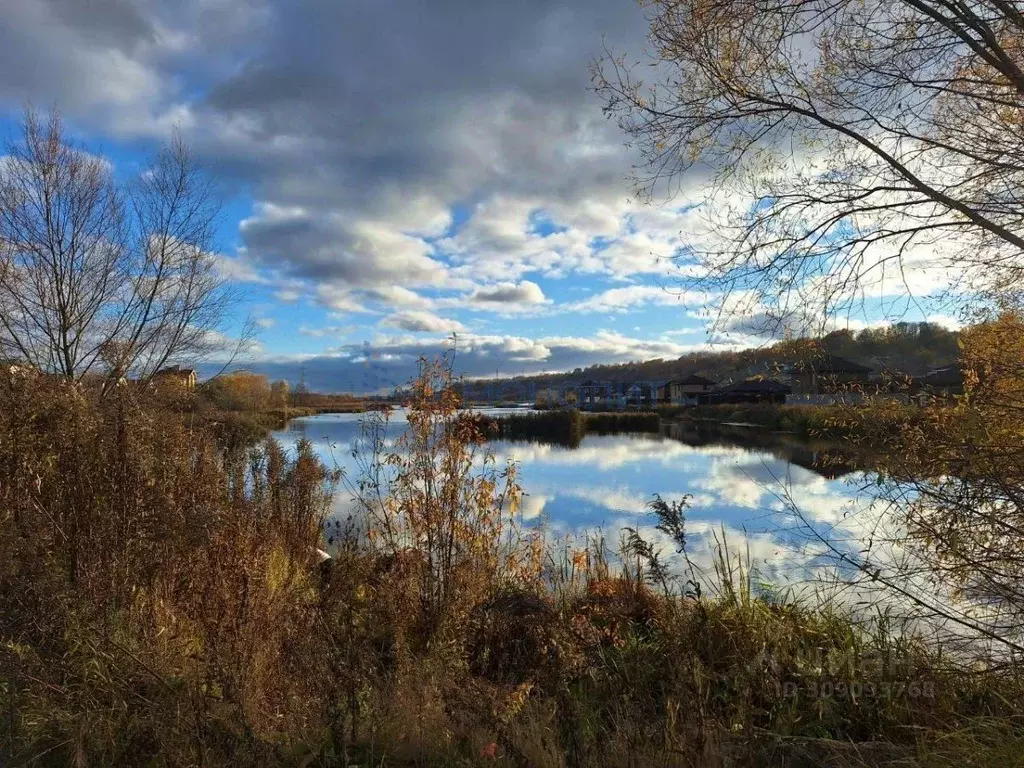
(392, 171)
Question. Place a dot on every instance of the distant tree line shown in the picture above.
(911, 348)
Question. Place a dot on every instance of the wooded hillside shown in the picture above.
(906, 348)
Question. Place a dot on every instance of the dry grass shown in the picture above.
(160, 605)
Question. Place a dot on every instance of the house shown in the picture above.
(889, 379)
(947, 380)
(751, 391)
(177, 376)
(685, 391)
(641, 394)
(593, 393)
(828, 373)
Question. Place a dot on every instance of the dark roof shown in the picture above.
(757, 386)
(177, 370)
(947, 376)
(831, 364)
(694, 378)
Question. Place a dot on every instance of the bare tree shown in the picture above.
(97, 275)
(834, 144)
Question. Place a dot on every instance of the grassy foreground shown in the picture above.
(161, 603)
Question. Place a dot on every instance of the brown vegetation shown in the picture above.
(161, 601)
(953, 480)
(566, 426)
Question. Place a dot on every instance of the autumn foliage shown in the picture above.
(162, 600)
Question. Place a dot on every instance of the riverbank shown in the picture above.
(162, 601)
(564, 426)
(822, 421)
(828, 422)
(235, 427)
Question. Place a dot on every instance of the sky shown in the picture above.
(393, 172)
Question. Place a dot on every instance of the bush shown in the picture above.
(562, 427)
(161, 603)
(566, 426)
(153, 586)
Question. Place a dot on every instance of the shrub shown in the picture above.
(153, 586)
(161, 602)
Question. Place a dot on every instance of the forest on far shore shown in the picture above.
(907, 348)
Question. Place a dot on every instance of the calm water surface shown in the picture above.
(741, 481)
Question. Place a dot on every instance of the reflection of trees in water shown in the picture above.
(825, 459)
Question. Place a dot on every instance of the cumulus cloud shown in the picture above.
(239, 270)
(289, 292)
(337, 298)
(121, 66)
(361, 253)
(390, 362)
(418, 321)
(509, 295)
(327, 332)
(400, 159)
(357, 146)
(633, 296)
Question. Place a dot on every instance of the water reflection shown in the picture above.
(826, 459)
(745, 482)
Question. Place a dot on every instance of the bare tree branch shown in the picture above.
(832, 142)
(97, 276)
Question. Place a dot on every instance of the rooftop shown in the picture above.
(694, 378)
(947, 376)
(767, 386)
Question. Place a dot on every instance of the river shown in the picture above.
(773, 497)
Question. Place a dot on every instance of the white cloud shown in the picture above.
(239, 269)
(509, 296)
(532, 506)
(946, 321)
(393, 359)
(397, 296)
(289, 292)
(622, 499)
(419, 321)
(330, 331)
(338, 298)
(633, 296)
(456, 162)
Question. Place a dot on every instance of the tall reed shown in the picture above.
(162, 602)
